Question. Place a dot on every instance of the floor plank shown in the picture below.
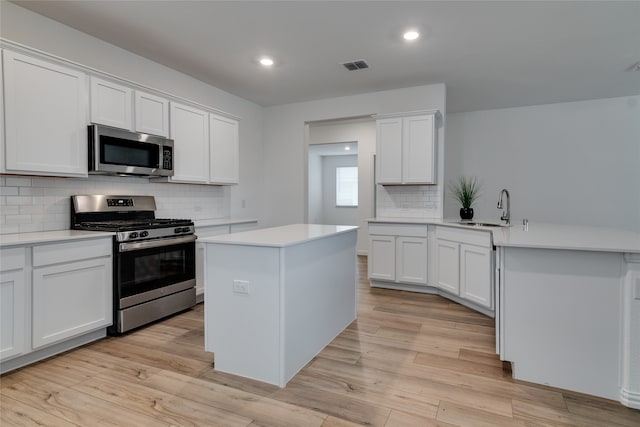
(408, 360)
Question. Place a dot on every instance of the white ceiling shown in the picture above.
(489, 54)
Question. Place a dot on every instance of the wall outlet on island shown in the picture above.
(241, 286)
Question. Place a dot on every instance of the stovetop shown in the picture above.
(132, 218)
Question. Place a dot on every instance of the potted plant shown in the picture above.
(466, 191)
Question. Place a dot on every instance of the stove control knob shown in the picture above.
(144, 233)
(177, 230)
(133, 235)
(186, 229)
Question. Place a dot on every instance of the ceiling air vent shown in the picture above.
(356, 65)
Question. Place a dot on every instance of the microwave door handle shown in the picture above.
(136, 246)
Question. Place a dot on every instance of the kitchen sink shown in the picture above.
(483, 224)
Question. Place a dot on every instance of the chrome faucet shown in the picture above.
(506, 215)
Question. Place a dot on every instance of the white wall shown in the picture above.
(572, 163)
(332, 214)
(362, 131)
(285, 146)
(33, 30)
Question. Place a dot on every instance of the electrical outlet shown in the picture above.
(240, 286)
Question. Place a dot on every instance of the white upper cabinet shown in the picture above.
(224, 150)
(151, 114)
(190, 133)
(406, 148)
(111, 104)
(45, 117)
(119, 106)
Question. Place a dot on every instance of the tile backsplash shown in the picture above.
(411, 201)
(43, 203)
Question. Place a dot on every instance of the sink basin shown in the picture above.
(483, 224)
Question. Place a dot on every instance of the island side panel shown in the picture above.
(243, 330)
(319, 296)
(561, 320)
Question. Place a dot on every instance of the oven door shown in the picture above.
(154, 268)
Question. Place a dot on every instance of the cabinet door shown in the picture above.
(382, 257)
(411, 260)
(475, 275)
(224, 150)
(190, 133)
(45, 117)
(111, 104)
(12, 313)
(389, 151)
(71, 299)
(151, 114)
(448, 266)
(418, 150)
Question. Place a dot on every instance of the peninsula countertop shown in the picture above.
(280, 237)
(543, 235)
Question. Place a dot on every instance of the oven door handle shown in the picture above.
(136, 246)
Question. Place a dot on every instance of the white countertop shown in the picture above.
(222, 221)
(18, 239)
(571, 237)
(287, 235)
(543, 235)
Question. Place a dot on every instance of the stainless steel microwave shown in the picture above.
(115, 151)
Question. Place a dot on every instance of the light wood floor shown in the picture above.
(409, 360)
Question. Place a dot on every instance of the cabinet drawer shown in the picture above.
(410, 230)
(71, 251)
(12, 259)
(478, 238)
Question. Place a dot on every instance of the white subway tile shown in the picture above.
(17, 219)
(30, 228)
(10, 210)
(9, 191)
(18, 200)
(31, 209)
(31, 191)
(9, 229)
(18, 182)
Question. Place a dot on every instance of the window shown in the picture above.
(347, 186)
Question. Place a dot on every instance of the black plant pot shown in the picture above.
(466, 213)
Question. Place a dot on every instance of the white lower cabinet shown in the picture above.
(70, 299)
(464, 264)
(398, 253)
(54, 297)
(12, 302)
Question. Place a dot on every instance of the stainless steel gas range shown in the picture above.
(154, 258)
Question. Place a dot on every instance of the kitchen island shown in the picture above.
(568, 307)
(276, 297)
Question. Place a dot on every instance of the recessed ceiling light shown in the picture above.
(411, 35)
(266, 61)
(347, 148)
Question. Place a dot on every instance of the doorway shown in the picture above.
(334, 148)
